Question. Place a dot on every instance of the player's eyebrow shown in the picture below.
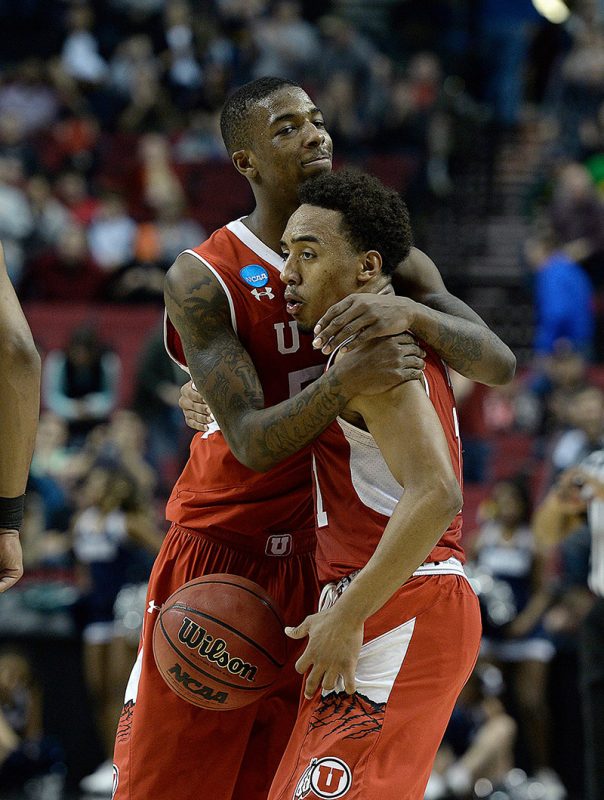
(307, 237)
(292, 114)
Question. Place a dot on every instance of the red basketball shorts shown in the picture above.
(168, 749)
(379, 743)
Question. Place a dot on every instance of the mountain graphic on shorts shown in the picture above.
(349, 716)
(125, 721)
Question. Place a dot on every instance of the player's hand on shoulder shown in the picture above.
(332, 652)
(381, 364)
(196, 412)
(364, 317)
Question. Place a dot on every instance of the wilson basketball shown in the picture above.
(219, 642)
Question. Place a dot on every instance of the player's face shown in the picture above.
(290, 140)
(321, 266)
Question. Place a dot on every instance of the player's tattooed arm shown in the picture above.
(424, 306)
(458, 334)
(225, 375)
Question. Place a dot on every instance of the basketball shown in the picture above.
(219, 642)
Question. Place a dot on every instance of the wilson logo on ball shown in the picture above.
(219, 642)
(214, 650)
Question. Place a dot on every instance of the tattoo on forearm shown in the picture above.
(459, 349)
(225, 374)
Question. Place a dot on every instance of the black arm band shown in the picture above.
(11, 512)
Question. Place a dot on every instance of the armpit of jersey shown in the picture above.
(375, 485)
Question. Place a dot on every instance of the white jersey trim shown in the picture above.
(249, 239)
(167, 348)
(451, 566)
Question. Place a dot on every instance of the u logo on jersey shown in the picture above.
(282, 347)
(328, 777)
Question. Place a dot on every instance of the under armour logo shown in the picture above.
(153, 607)
(279, 545)
(266, 293)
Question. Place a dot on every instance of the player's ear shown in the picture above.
(244, 163)
(370, 266)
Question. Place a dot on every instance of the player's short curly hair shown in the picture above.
(235, 117)
(375, 217)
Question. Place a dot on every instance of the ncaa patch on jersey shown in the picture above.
(325, 777)
(254, 275)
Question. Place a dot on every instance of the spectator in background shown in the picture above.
(80, 383)
(345, 51)
(16, 220)
(130, 56)
(201, 140)
(114, 523)
(577, 216)
(13, 142)
(124, 443)
(287, 44)
(505, 549)
(160, 183)
(161, 241)
(67, 270)
(556, 382)
(506, 30)
(28, 96)
(586, 432)
(111, 234)
(24, 750)
(563, 297)
(53, 472)
(339, 102)
(80, 57)
(49, 215)
(72, 191)
(184, 72)
(149, 107)
(583, 488)
(156, 395)
(479, 740)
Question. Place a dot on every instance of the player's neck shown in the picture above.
(268, 222)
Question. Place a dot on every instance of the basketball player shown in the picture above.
(229, 326)
(399, 628)
(19, 407)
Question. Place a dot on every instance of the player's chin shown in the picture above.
(315, 168)
(305, 327)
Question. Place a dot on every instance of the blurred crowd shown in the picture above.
(111, 163)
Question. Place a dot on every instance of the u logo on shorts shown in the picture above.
(279, 545)
(328, 777)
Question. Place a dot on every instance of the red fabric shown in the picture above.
(165, 747)
(215, 492)
(352, 530)
(389, 749)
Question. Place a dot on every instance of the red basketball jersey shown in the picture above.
(215, 492)
(355, 492)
